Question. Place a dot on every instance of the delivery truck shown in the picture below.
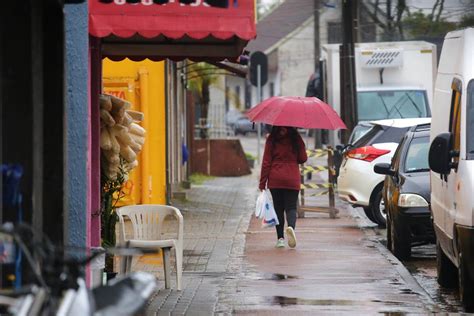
(394, 80)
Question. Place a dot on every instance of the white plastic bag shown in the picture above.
(265, 210)
(259, 206)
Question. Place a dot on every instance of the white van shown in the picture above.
(451, 161)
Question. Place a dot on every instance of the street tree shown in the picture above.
(419, 25)
(201, 76)
(399, 21)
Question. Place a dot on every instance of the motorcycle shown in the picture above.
(59, 286)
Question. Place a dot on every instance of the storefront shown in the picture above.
(148, 33)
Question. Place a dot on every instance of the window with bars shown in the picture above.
(334, 32)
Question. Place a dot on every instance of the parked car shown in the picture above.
(232, 116)
(359, 130)
(358, 184)
(244, 126)
(451, 160)
(406, 193)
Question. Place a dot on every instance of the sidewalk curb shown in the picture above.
(369, 230)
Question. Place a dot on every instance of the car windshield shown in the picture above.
(417, 156)
(378, 105)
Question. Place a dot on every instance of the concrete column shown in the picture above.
(77, 208)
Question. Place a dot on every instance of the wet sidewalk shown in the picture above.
(216, 216)
(336, 268)
(232, 267)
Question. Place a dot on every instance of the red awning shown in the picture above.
(149, 30)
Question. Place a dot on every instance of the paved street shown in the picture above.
(232, 267)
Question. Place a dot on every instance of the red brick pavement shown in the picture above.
(336, 268)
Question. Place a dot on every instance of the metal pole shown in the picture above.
(348, 78)
(318, 142)
(332, 201)
(259, 99)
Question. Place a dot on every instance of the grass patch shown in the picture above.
(199, 178)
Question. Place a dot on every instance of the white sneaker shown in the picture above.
(280, 243)
(290, 233)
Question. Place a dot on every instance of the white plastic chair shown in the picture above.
(147, 221)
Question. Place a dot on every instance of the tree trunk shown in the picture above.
(205, 99)
(401, 6)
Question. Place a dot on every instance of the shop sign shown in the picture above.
(195, 3)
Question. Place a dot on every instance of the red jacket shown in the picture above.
(280, 165)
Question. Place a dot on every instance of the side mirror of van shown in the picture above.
(439, 157)
(383, 168)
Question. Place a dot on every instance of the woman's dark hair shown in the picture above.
(292, 134)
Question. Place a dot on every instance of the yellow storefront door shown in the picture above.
(143, 84)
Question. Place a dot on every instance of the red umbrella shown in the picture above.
(304, 112)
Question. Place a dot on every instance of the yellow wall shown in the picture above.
(128, 80)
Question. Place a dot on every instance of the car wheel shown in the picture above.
(368, 212)
(378, 209)
(400, 246)
(466, 286)
(446, 269)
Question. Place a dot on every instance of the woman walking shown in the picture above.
(284, 151)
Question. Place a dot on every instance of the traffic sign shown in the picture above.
(258, 60)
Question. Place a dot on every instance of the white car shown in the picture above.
(358, 184)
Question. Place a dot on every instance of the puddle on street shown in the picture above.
(285, 301)
(290, 301)
(422, 266)
(407, 291)
(446, 299)
(268, 276)
(277, 276)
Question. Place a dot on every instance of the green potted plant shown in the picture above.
(250, 160)
(111, 194)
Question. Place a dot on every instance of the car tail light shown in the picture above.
(367, 153)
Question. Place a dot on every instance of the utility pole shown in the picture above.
(318, 142)
(389, 21)
(347, 71)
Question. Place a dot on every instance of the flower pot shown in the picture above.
(251, 163)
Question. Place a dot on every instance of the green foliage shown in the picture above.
(111, 194)
(418, 25)
(199, 178)
(201, 78)
(234, 98)
(467, 21)
(250, 156)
